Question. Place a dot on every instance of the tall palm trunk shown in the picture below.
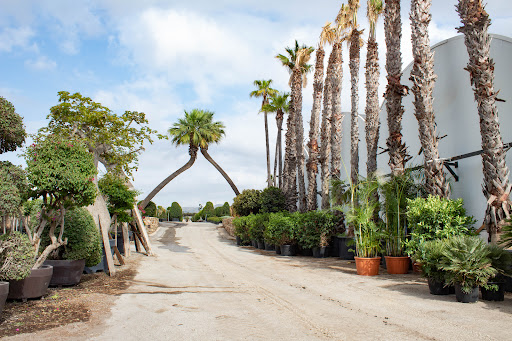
(337, 115)
(204, 151)
(290, 163)
(496, 186)
(267, 145)
(192, 151)
(372, 105)
(394, 90)
(279, 147)
(325, 132)
(299, 135)
(423, 79)
(354, 122)
(314, 126)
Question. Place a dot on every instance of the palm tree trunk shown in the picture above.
(423, 78)
(279, 121)
(394, 90)
(496, 186)
(372, 105)
(337, 115)
(354, 122)
(299, 136)
(290, 163)
(314, 127)
(192, 150)
(325, 133)
(276, 160)
(267, 145)
(204, 151)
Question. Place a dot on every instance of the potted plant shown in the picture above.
(501, 260)
(314, 229)
(84, 248)
(242, 231)
(468, 265)
(257, 224)
(430, 255)
(280, 230)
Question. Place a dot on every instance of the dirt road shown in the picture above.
(200, 286)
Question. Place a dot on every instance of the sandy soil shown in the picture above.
(200, 286)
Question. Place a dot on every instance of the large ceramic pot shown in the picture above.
(461, 296)
(66, 272)
(34, 286)
(367, 266)
(4, 291)
(397, 265)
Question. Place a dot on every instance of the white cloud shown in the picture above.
(42, 63)
(11, 38)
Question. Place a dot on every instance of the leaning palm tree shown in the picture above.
(374, 9)
(298, 67)
(496, 188)
(394, 90)
(327, 36)
(278, 103)
(197, 130)
(423, 79)
(264, 91)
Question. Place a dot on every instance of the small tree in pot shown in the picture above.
(430, 255)
(281, 231)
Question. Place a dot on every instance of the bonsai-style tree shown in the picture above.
(17, 256)
(12, 131)
(13, 188)
(61, 172)
(120, 199)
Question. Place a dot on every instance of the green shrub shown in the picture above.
(315, 228)
(257, 224)
(219, 211)
(247, 202)
(280, 229)
(150, 209)
(272, 200)
(175, 211)
(242, 228)
(215, 220)
(430, 255)
(12, 130)
(207, 211)
(196, 217)
(17, 256)
(226, 210)
(119, 197)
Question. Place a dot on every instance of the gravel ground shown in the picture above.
(200, 286)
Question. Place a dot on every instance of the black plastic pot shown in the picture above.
(437, 288)
(494, 295)
(334, 247)
(4, 292)
(34, 286)
(306, 252)
(261, 244)
(101, 266)
(320, 252)
(269, 247)
(66, 272)
(344, 252)
(120, 241)
(254, 243)
(461, 296)
(288, 250)
(238, 241)
(278, 249)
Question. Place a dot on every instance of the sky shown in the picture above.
(162, 57)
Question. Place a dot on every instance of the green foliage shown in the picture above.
(84, 239)
(175, 211)
(430, 256)
(13, 188)
(247, 202)
(32, 210)
(314, 228)
(197, 129)
(12, 130)
(280, 229)
(242, 228)
(17, 256)
(207, 211)
(149, 210)
(257, 224)
(501, 260)
(196, 217)
(119, 197)
(467, 262)
(436, 218)
(272, 200)
(506, 236)
(215, 220)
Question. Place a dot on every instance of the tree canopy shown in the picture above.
(12, 130)
(119, 197)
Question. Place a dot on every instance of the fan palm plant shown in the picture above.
(264, 91)
(496, 186)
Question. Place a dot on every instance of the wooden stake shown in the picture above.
(143, 231)
(126, 239)
(108, 251)
(118, 255)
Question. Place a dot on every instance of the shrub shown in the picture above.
(219, 211)
(315, 228)
(119, 197)
(215, 220)
(242, 228)
(175, 211)
(430, 255)
(272, 200)
(12, 130)
(196, 217)
(226, 210)
(17, 256)
(150, 209)
(207, 211)
(247, 202)
(257, 224)
(280, 229)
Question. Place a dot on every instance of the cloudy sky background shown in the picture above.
(163, 57)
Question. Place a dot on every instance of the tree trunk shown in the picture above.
(314, 127)
(423, 79)
(290, 163)
(394, 90)
(193, 155)
(279, 121)
(372, 106)
(354, 122)
(204, 151)
(267, 146)
(299, 135)
(337, 115)
(496, 187)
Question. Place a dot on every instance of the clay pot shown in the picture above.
(367, 266)
(66, 272)
(4, 291)
(397, 265)
(34, 286)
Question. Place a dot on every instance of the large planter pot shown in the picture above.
(34, 286)
(306, 252)
(278, 249)
(461, 296)
(4, 292)
(254, 243)
(320, 252)
(343, 248)
(66, 272)
(397, 265)
(269, 247)
(101, 266)
(334, 247)
(261, 244)
(238, 241)
(437, 288)
(494, 295)
(367, 266)
(288, 250)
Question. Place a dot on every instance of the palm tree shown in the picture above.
(374, 9)
(327, 36)
(264, 90)
(279, 104)
(423, 79)
(394, 90)
(298, 67)
(197, 130)
(496, 188)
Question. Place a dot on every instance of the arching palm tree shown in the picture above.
(496, 188)
(297, 64)
(374, 9)
(197, 130)
(264, 90)
(423, 79)
(278, 103)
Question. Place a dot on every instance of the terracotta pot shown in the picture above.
(4, 291)
(367, 266)
(397, 265)
(416, 267)
(35, 285)
(66, 272)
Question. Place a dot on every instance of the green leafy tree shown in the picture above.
(120, 199)
(247, 202)
(17, 256)
(207, 211)
(12, 130)
(13, 190)
(272, 200)
(61, 172)
(149, 210)
(175, 211)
